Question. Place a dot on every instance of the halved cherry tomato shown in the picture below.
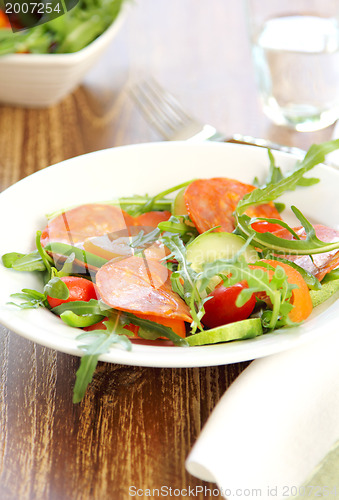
(4, 21)
(79, 289)
(221, 308)
(261, 226)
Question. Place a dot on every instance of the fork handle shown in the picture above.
(263, 143)
(210, 133)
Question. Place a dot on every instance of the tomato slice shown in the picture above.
(221, 307)
(79, 289)
(4, 21)
(262, 226)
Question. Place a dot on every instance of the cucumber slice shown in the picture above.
(327, 290)
(179, 205)
(241, 330)
(208, 247)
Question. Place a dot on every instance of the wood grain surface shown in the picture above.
(136, 425)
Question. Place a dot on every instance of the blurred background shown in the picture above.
(200, 53)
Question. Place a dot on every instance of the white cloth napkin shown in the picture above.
(274, 425)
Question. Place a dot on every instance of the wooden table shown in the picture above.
(135, 426)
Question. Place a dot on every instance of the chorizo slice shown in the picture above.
(321, 263)
(211, 202)
(140, 285)
(75, 225)
(152, 219)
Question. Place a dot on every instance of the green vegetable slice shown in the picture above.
(241, 330)
(77, 321)
(328, 289)
(82, 256)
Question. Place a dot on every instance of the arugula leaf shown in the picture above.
(38, 260)
(152, 330)
(142, 241)
(46, 259)
(149, 205)
(276, 288)
(315, 155)
(95, 343)
(58, 247)
(310, 245)
(184, 279)
(56, 289)
(67, 267)
(31, 299)
(177, 225)
(266, 194)
(30, 262)
(24, 262)
(137, 205)
(82, 307)
(8, 259)
(275, 175)
(279, 206)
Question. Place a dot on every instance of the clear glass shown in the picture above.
(295, 47)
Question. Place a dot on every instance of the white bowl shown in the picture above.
(41, 80)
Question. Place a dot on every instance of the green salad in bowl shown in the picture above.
(67, 33)
(41, 65)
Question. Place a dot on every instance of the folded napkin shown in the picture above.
(274, 426)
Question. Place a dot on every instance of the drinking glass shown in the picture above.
(295, 47)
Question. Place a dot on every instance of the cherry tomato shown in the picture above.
(265, 227)
(4, 21)
(79, 289)
(221, 308)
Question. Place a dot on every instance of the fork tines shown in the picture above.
(161, 108)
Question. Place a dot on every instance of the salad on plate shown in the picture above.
(204, 262)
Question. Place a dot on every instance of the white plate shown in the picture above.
(139, 169)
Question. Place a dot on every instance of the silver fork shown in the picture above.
(164, 112)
